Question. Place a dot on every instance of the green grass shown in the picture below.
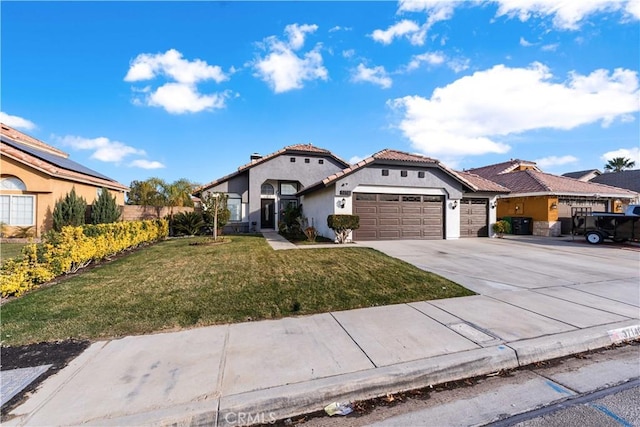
(10, 250)
(175, 285)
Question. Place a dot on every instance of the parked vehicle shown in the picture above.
(598, 226)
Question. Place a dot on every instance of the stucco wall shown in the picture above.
(281, 168)
(317, 206)
(536, 207)
(48, 191)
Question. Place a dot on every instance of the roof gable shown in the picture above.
(629, 179)
(512, 165)
(296, 149)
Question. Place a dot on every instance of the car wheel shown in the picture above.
(593, 237)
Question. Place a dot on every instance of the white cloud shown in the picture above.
(525, 43)
(339, 28)
(282, 68)
(566, 15)
(376, 75)
(629, 153)
(180, 94)
(474, 114)
(16, 122)
(550, 47)
(146, 164)
(171, 64)
(179, 98)
(103, 148)
(356, 159)
(437, 59)
(297, 34)
(409, 29)
(348, 53)
(551, 161)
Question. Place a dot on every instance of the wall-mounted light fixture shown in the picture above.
(493, 204)
(341, 203)
(554, 205)
(453, 204)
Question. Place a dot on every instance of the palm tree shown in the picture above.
(618, 164)
(177, 194)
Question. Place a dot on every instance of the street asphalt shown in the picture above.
(538, 299)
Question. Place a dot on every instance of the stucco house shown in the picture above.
(260, 190)
(397, 195)
(34, 176)
(549, 199)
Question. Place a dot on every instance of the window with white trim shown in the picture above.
(234, 204)
(12, 183)
(17, 210)
(288, 188)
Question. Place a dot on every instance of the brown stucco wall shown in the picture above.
(47, 190)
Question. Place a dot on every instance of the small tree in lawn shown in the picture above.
(105, 209)
(69, 210)
(216, 214)
(343, 225)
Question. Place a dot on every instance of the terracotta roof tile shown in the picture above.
(531, 181)
(500, 168)
(483, 184)
(18, 136)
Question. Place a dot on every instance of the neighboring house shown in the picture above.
(585, 176)
(261, 190)
(629, 179)
(549, 200)
(34, 176)
(397, 195)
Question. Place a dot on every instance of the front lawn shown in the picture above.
(174, 285)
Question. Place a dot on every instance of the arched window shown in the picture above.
(12, 183)
(267, 190)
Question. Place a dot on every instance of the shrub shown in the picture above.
(343, 225)
(73, 248)
(105, 209)
(188, 223)
(69, 211)
(501, 228)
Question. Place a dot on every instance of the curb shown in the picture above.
(269, 405)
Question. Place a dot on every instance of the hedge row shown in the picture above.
(73, 248)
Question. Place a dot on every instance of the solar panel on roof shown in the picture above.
(53, 159)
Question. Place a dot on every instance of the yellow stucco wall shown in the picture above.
(537, 207)
(48, 190)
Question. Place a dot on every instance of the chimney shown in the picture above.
(255, 156)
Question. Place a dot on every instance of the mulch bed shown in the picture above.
(58, 354)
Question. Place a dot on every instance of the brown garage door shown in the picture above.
(398, 216)
(474, 220)
(566, 204)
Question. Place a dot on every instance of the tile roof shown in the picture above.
(580, 174)
(474, 183)
(290, 149)
(629, 179)
(500, 168)
(23, 138)
(38, 155)
(483, 184)
(532, 181)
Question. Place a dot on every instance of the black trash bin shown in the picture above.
(521, 225)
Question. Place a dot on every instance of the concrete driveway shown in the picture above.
(547, 265)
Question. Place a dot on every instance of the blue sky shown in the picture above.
(191, 89)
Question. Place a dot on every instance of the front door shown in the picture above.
(268, 213)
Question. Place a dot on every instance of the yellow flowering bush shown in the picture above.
(74, 248)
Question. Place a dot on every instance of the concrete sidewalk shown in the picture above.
(260, 371)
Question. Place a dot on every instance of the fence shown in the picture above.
(137, 212)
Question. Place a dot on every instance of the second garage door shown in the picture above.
(474, 219)
(398, 216)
